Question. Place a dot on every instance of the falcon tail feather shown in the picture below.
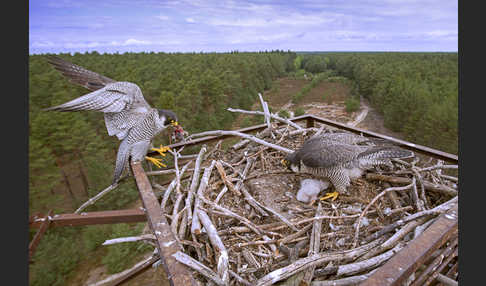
(385, 152)
(121, 161)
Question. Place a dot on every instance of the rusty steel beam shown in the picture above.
(177, 273)
(396, 270)
(310, 121)
(89, 218)
(35, 241)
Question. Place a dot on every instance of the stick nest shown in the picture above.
(270, 237)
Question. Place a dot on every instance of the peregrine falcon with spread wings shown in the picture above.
(337, 157)
(127, 115)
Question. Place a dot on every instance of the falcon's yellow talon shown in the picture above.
(161, 150)
(156, 162)
(332, 195)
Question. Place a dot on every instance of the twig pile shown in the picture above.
(239, 223)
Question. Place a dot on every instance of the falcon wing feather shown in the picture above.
(79, 75)
(323, 154)
(115, 97)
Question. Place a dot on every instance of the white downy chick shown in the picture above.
(309, 189)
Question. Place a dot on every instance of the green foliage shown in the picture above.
(352, 103)
(299, 74)
(246, 122)
(284, 113)
(56, 256)
(121, 255)
(314, 63)
(299, 111)
(94, 235)
(298, 62)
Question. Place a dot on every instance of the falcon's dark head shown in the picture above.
(290, 160)
(170, 117)
(171, 120)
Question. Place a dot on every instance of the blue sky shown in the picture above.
(221, 26)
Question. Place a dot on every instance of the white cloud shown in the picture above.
(135, 42)
(273, 19)
(190, 20)
(70, 45)
(43, 44)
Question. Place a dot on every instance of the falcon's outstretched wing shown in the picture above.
(79, 75)
(114, 97)
(122, 102)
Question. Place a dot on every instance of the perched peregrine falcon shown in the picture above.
(339, 160)
(127, 114)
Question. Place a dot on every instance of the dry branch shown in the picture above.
(243, 135)
(220, 249)
(314, 245)
(401, 180)
(164, 172)
(316, 260)
(435, 211)
(221, 194)
(97, 197)
(394, 239)
(266, 114)
(227, 183)
(251, 201)
(438, 167)
(239, 278)
(227, 212)
(111, 280)
(446, 280)
(295, 234)
(172, 185)
(199, 267)
(368, 264)
(129, 239)
(194, 182)
(279, 216)
(196, 225)
(276, 117)
(358, 222)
